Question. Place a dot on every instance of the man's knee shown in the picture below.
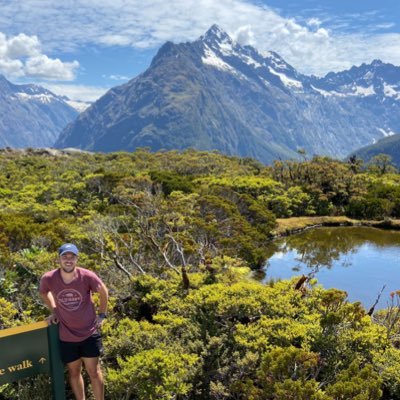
(74, 369)
(94, 372)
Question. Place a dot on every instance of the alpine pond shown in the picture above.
(359, 260)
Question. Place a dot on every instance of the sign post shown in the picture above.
(31, 350)
(56, 365)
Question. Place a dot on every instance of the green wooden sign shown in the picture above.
(31, 350)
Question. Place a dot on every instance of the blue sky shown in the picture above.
(81, 48)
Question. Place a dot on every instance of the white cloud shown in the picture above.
(244, 35)
(314, 22)
(20, 56)
(77, 92)
(22, 46)
(115, 40)
(387, 25)
(11, 67)
(52, 69)
(311, 47)
(119, 78)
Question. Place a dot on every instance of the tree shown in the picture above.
(381, 164)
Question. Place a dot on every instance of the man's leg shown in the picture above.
(76, 380)
(92, 365)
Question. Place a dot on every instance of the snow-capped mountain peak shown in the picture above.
(222, 52)
(215, 93)
(31, 115)
(215, 36)
(377, 79)
(40, 97)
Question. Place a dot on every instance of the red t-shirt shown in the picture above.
(75, 308)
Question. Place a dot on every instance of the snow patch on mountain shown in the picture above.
(265, 82)
(386, 133)
(325, 93)
(250, 61)
(212, 59)
(32, 89)
(277, 63)
(390, 91)
(41, 97)
(288, 82)
(369, 75)
(360, 91)
(226, 48)
(79, 106)
(364, 91)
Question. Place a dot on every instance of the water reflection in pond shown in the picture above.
(359, 260)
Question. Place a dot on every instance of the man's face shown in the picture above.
(68, 262)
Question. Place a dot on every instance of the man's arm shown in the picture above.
(103, 297)
(48, 299)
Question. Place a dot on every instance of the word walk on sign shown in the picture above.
(31, 350)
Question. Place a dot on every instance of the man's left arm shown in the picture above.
(103, 300)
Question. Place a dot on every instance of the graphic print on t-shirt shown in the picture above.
(69, 299)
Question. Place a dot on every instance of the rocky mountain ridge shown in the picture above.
(31, 116)
(215, 94)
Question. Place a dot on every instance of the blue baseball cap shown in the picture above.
(68, 248)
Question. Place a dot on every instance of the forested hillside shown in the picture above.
(389, 146)
(175, 237)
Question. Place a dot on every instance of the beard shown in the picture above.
(68, 271)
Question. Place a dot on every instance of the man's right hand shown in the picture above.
(52, 319)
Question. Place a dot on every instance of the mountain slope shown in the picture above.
(216, 94)
(31, 116)
(389, 145)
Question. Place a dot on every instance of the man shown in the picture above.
(67, 293)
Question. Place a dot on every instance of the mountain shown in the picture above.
(78, 105)
(31, 116)
(214, 93)
(389, 145)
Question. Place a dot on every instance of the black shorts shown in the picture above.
(90, 347)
